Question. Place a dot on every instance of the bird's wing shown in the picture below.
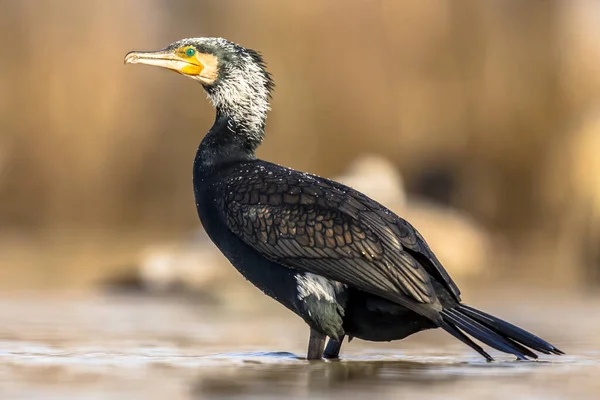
(412, 241)
(308, 223)
(410, 238)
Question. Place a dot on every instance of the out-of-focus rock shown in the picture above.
(376, 177)
(192, 266)
(461, 244)
(191, 263)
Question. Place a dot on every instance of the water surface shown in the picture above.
(83, 346)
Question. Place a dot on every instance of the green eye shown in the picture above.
(190, 52)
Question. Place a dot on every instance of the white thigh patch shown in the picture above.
(318, 286)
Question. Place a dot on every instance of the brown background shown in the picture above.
(485, 107)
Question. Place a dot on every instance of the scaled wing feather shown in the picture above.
(312, 224)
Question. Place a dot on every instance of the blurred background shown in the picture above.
(483, 117)
(479, 122)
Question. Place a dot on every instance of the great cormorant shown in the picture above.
(343, 262)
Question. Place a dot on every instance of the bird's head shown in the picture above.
(234, 77)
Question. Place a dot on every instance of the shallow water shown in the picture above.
(123, 347)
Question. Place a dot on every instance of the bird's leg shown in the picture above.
(316, 343)
(333, 348)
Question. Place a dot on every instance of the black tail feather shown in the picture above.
(464, 338)
(494, 332)
(509, 330)
(482, 333)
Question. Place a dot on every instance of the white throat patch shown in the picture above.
(245, 95)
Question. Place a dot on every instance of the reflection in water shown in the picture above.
(303, 378)
(278, 374)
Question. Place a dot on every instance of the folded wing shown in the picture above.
(315, 225)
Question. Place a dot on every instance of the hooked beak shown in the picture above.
(166, 59)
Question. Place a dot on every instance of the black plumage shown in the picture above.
(343, 262)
